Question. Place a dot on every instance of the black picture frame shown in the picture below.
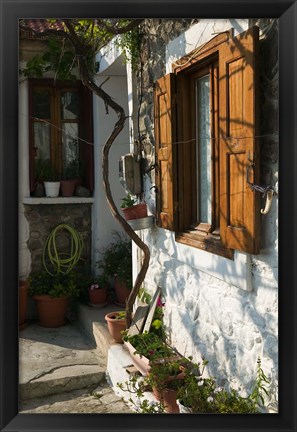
(10, 12)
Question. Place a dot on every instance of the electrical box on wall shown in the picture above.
(130, 174)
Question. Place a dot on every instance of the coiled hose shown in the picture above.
(62, 262)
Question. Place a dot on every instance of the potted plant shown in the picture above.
(116, 322)
(203, 395)
(47, 173)
(52, 295)
(133, 210)
(97, 291)
(145, 348)
(196, 395)
(116, 265)
(71, 178)
(165, 378)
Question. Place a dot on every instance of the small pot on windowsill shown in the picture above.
(131, 209)
(138, 211)
(68, 187)
(52, 188)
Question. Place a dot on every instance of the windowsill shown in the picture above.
(58, 200)
(208, 243)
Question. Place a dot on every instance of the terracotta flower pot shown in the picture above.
(136, 212)
(169, 400)
(23, 303)
(141, 363)
(115, 326)
(98, 296)
(157, 393)
(51, 310)
(68, 187)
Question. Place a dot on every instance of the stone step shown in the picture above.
(92, 322)
(62, 379)
(57, 360)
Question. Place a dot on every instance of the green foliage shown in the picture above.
(202, 395)
(41, 283)
(117, 260)
(91, 35)
(45, 171)
(157, 323)
(73, 170)
(144, 295)
(150, 345)
(257, 395)
(166, 374)
(130, 43)
(138, 387)
(85, 278)
(55, 58)
(128, 201)
(120, 315)
(199, 394)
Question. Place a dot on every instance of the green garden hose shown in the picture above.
(62, 262)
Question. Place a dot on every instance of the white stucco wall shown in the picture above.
(223, 310)
(103, 222)
(112, 74)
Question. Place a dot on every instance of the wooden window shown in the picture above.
(60, 119)
(205, 128)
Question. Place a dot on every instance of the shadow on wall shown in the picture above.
(211, 319)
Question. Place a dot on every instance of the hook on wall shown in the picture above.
(267, 191)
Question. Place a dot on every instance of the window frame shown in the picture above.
(237, 207)
(84, 121)
(200, 235)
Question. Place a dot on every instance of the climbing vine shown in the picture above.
(130, 43)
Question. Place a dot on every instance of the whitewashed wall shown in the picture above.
(223, 310)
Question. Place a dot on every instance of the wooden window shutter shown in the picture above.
(165, 135)
(239, 154)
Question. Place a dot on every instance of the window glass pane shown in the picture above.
(203, 149)
(69, 105)
(42, 140)
(70, 143)
(41, 104)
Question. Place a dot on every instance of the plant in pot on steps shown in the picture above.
(165, 378)
(52, 294)
(116, 265)
(116, 322)
(132, 209)
(146, 348)
(200, 395)
(98, 291)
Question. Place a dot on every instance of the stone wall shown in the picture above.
(206, 315)
(42, 219)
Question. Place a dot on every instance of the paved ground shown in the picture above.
(98, 400)
(61, 372)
